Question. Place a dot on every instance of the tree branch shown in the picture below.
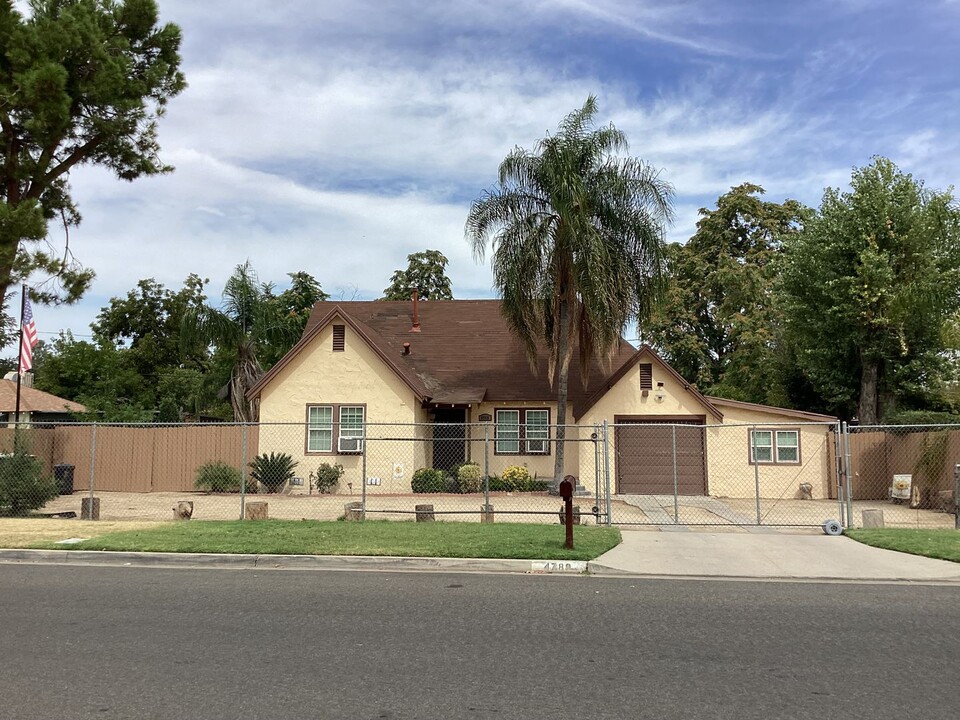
(80, 153)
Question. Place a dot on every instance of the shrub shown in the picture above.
(326, 478)
(218, 477)
(516, 478)
(428, 480)
(23, 486)
(273, 470)
(470, 478)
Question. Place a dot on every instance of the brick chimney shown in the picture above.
(416, 312)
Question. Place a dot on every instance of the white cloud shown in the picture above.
(338, 138)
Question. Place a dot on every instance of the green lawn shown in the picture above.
(302, 537)
(940, 544)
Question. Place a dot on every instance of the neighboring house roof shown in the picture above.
(463, 354)
(33, 400)
(799, 414)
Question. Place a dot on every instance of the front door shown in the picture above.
(449, 440)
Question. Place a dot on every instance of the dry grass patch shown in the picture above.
(24, 532)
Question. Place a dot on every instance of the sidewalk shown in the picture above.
(747, 556)
(765, 556)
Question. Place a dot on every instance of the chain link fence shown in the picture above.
(629, 474)
(904, 475)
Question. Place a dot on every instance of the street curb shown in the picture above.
(290, 562)
(599, 570)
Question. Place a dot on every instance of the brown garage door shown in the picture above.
(645, 457)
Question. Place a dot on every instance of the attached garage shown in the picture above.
(645, 455)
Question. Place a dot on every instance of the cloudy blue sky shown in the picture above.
(339, 137)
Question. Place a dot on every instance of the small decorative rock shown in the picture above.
(353, 511)
(576, 515)
(183, 510)
(90, 508)
(806, 491)
(256, 510)
(873, 518)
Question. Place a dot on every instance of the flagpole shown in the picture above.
(23, 309)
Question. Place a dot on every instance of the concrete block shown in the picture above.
(872, 518)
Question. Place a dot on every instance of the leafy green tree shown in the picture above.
(576, 232)
(293, 307)
(247, 321)
(96, 376)
(425, 273)
(148, 322)
(718, 325)
(871, 289)
(81, 82)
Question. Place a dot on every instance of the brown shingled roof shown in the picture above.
(33, 400)
(464, 352)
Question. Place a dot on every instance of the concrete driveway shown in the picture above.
(765, 556)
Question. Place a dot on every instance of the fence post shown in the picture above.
(840, 469)
(956, 497)
(596, 470)
(363, 470)
(243, 470)
(846, 446)
(486, 466)
(606, 469)
(756, 468)
(93, 463)
(676, 499)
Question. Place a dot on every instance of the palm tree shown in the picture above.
(248, 319)
(576, 231)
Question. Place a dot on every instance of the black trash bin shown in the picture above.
(63, 474)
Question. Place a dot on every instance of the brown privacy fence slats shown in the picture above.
(928, 453)
(134, 459)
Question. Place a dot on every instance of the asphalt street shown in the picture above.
(116, 642)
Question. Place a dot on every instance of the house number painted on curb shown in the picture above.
(575, 566)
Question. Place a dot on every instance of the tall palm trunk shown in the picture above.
(243, 377)
(563, 375)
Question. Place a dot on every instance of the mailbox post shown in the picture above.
(566, 492)
(956, 496)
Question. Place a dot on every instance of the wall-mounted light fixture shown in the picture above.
(659, 395)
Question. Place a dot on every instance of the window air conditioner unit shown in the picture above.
(350, 444)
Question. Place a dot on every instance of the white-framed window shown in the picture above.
(522, 432)
(320, 428)
(335, 429)
(350, 437)
(788, 446)
(775, 447)
(537, 428)
(507, 432)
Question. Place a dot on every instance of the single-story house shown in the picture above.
(36, 406)
(438, 377)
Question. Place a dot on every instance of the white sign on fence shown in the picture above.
(901, 487)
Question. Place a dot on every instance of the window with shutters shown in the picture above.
(339, 336)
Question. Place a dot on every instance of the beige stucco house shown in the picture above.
(423, 385)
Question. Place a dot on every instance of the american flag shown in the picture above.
(29, 340)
